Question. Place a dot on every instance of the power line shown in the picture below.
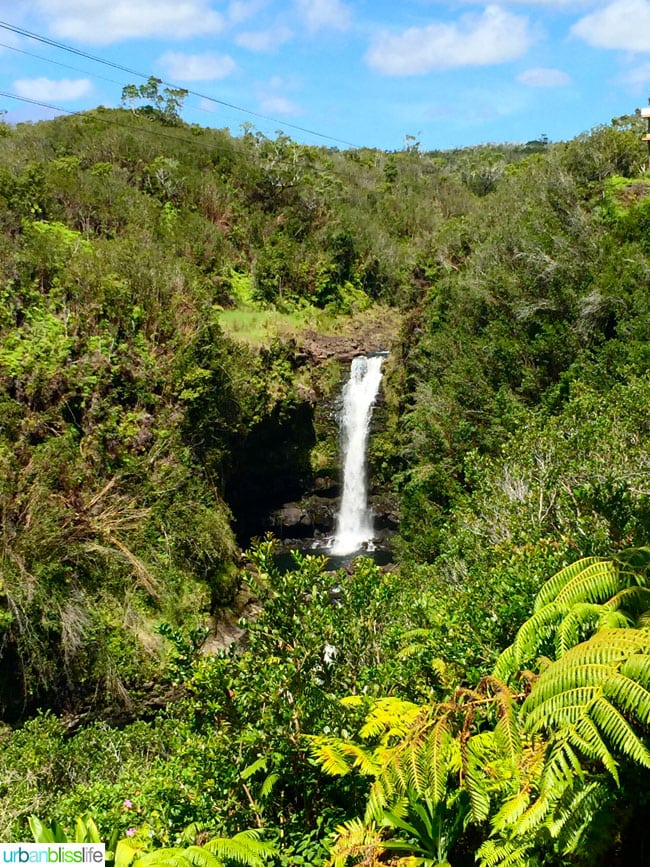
(82, 71)
(61, 46)
(156, 133)
(108, 121)
(58, 63)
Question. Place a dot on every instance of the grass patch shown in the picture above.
(260, 327)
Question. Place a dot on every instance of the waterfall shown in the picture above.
(354, 521)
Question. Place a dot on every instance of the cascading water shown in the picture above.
(354, 525)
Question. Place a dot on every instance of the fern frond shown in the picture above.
(574, 813)
(619, 731)
(586, 698)
(561, 579)
(614, 620)
(637, 560)
(637, 668)
(330, 756)
(246, 848)
(436, 755)
(507, 664)
(382, 792)
(511, 811)
(587, 738)
(585, 667)
(268, 785)
(634, 600)
(562, 765)
(417, 770)
(338, 757)
(535, 815)
(199, 856)
(166, 857)
(575, 622)
(597, 582)
(507, 730)
(480, 752)
(540, 627)
(355, 839)
(390, 718)
(504, 853)
(629, 695)
(558, 703)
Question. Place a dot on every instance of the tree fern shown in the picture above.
(540, 765)
(511, 811)
(575, 815)
(389, 718)
(585, 597)
(505, 853)
(247, 848)
(191, 856)
(353, 839)
(585, 580)
(338, 757)
(481, 754)
(586, 696)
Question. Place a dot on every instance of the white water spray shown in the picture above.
(354, 522)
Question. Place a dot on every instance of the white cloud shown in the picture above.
(99, 22)
(321, 14)
(623, 24)
(242, 10)
(637, 78)
(264, 40)
(495, 36)
(568, 5)
(278, 104)
(542, 77)
(273, 99)
(46, 89)
(208, 66)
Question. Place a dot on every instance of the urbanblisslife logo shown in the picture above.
(92, 854)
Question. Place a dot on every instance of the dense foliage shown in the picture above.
(135, 430)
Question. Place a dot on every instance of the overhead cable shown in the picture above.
(20, 31)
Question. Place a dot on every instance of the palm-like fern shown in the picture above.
(540, 765)
(245, 848)
(589, 595)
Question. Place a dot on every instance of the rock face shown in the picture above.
(317, 348)
(302, 520)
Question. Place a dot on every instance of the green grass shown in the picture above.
(260, 327)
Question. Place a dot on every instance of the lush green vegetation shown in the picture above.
(156, 280)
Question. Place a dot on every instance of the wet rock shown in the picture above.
(306, 518)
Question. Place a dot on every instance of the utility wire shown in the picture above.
(108, 121)
(83, 71)
(63, 47)
(156, 133)
(58, 63)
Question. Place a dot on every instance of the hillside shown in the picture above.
(176, 306)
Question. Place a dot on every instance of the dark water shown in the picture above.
(381, 553)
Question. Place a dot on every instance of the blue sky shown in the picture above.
(450, 73)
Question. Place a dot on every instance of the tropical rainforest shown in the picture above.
(486, 699)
